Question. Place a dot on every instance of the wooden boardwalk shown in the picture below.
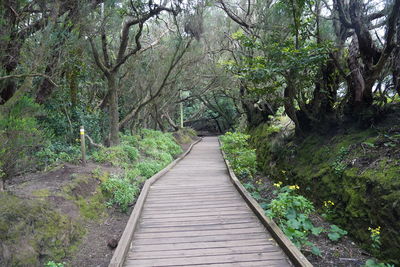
(194, 216)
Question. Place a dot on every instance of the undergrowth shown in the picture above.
(290, 210)
(140, 156)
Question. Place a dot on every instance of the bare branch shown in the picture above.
(29, 75)
(97, 59)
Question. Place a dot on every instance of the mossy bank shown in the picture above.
(72, 211)
(359, 170)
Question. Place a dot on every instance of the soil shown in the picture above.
(344, 252)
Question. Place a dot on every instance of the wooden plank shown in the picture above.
(269, 257)
(193, 239)
(196, 233)
(291, 250)
(204, 252)
(199, 210)
(208, 207)
(145, 229)
(245, 264)
(124, 243)
(156, 215)
(200, 245)
(204, 222)
(213, 218)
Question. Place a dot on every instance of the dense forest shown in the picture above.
(314, 83)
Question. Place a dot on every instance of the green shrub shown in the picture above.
(57, 152)
(241, 157)
(117, 155)
(120, 192)
(149, 168)
(132, 174)
(159, 141)
(20, 136)
(132, 140)
(291, 212)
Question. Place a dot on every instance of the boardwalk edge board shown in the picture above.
(124, 243)
(294, 254)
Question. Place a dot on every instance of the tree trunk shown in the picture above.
(114, 113)
(360, 92)
(289, 96)
(396, 62)
(256, 114)
(1, 185)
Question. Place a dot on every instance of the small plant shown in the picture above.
(291, 211)
(249, 187)
(132, 174)
(239, 154)
(375, 237)
(335, 233)
(120, 192)
(54, 264)
(117, 155)
(149, 168)
(339, 166)
(373, 263)
(327, 209)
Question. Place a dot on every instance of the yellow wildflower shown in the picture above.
(328, 203)
(278, 184)
(375, 231)
(294, 187)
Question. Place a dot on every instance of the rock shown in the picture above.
(112, 243)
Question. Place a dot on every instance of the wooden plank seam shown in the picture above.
(295, 255)
(124, 243)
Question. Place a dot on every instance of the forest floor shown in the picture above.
(73, 191)
(100, 228)
(343, 252)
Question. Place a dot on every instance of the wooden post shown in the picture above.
(181, 108)
(83, 147)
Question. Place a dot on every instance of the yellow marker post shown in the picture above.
(83, 147)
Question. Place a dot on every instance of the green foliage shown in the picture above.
(149, 167)
(132, 174)
(335, 233)
(153, 142)
(291, 211)
(117, 155)
(373, 263)
(375, 237)
(56, 152)
(241, 157)
(120, 192)
(20, 136)
(361, 196)
(42, 230)
(54, 264)
(64, 120)
(338, 166)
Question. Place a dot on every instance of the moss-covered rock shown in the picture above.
(32, 232)
(355, 169)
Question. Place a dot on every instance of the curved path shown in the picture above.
(194, 216)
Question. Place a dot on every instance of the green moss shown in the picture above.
(85, 192)
(33, 231)
(42, 193)
(365, 196)
(100, 175)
